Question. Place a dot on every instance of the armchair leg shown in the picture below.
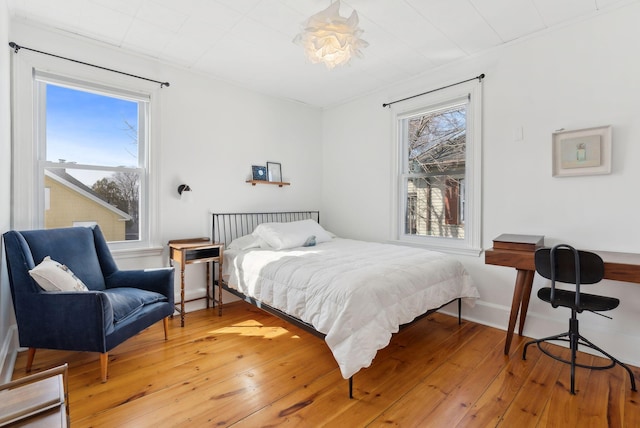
(30, 357)
(165, 323)
(104, 359)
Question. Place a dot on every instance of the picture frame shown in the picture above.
(274, 172)
(259, 173)
(582, 152)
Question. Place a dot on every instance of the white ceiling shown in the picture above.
(249, 42)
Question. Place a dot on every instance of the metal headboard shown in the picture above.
(226, 227)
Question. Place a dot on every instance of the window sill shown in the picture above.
(131, 253)
(464, 251)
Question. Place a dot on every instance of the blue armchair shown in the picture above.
(117, 305)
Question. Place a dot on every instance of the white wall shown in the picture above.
(210, 134)
(577, 76)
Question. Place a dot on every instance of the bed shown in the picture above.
(354, 294)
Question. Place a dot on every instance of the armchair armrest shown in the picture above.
(158, 280)
(74, 320)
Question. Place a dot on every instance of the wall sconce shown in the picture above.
(183, 188)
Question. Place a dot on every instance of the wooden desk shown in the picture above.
(617, 267)
(197, 250)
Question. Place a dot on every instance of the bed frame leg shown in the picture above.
(459, 311)
(351, 387)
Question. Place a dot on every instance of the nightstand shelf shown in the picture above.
(277, 183)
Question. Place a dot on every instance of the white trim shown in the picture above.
(8, 354)
(93, 87)
(137, 252)
(26, 174)
(472, 242)
(442, 248)
(541, 325)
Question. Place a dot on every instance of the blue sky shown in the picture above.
(91, 129)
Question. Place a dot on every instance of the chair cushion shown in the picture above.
(126, 301)
(588, 302)
(53, 276)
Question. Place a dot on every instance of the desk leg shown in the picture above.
(526, 296)
(207, 283)
(219, 289)
(524, 280)
(182, 295)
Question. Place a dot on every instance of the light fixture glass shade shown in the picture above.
(331, 39)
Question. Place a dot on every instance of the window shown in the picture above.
(91, 155)
(83, 155)
(438, 198)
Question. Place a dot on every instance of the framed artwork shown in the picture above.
(259, 172)
(582, 152)
(274, 171)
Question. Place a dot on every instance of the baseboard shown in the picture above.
(481, 312)
(8, 353)
(623, 346)
(200, 293)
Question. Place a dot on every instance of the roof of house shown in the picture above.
(61, 176)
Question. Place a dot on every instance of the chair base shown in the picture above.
(575, 339)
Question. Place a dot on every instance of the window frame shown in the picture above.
(469, 93)
(28, 162)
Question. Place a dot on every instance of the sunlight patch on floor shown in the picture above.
(254, 329)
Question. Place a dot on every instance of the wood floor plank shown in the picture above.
(460, 401)
(206, 401)
(248, 368)
(489, 408)
(378, 385)
(250, 381)
(421, 402)
(631, 401)
(172, 362)
(525, 411)
(602, 408)
(563, 407)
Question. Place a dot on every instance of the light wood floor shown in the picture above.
(250, 369)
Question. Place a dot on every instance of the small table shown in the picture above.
(39, 399)
(197, 250)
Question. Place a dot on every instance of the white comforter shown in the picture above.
(357, 293)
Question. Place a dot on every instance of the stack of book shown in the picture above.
(508, 241)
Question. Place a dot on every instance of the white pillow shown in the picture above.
(246, 242)
(53, 276)
(280, 236)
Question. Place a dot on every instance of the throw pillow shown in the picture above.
(53, 276)
(247, 242)
(281, 236)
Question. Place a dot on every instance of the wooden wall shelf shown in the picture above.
(278, 183)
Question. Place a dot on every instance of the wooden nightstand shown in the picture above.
(197, 250)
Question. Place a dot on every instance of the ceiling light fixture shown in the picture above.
(331, 39)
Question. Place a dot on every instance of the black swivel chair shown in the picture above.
(564, 263)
